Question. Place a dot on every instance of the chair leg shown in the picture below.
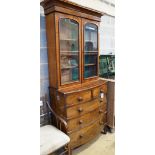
(69, 150)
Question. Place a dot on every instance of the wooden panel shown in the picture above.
(79, 110)
(103, 118)
(103, 107)
(77, 98)
(98, 90)
(103, 113)
(51, 44)
(84, 135)
(75, 13)
(111, 104)
(72, 8)
(84, 86)
(104, 88)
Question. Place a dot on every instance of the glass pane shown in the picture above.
(69, 50)
(91, 50)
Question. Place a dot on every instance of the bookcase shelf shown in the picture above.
(89, 65)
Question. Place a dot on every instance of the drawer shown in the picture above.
(103, 107)
(103, 114)
(76, 98)
(78, 110)
(98, 90)
(84, 135)
(78, 123)
(103, 119)
(104, 88)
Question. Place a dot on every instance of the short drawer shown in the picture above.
(79, 97)
(103, 119)
(78, 110)
(82, 121)
(97, 91)
(103, 108)
(84, 135)
(103, 114)
(104, 88)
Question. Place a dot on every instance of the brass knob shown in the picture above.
(100, 111)
(80, 109)
(80, 99)
(101, 91)
(81, 121)
(101, 100)
(81, 136)
(105, 112)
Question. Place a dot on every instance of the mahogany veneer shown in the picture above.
(77, 94)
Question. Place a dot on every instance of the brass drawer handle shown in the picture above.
(101, 91)
(80, 109)
(100, 111)
(81, 136)
(81, 121)
(80, 99)
(101, 100)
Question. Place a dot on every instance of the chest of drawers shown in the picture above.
(84, 109)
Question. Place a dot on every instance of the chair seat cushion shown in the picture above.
(51, 139)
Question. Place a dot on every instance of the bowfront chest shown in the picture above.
(77, 94)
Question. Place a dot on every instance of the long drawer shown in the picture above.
(86, 119)
(84, 135)
(80, 122)
(78, 110)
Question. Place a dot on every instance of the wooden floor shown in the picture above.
(102, 145)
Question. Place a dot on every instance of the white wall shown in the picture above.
(107, 35)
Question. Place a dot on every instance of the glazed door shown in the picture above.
(69, 49)
(90, 50)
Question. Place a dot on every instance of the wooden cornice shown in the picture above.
(68, 7)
